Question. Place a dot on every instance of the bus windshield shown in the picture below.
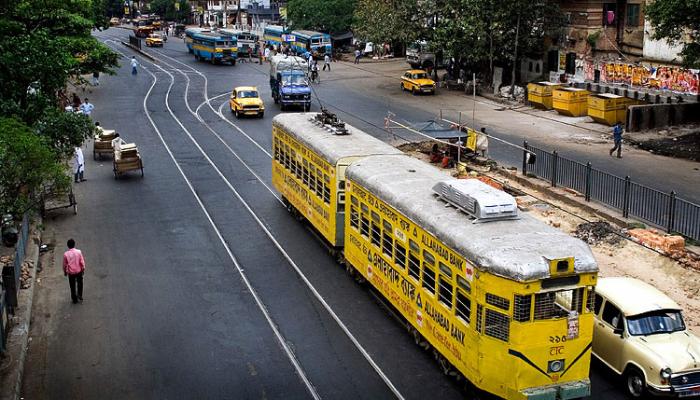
(665, 321)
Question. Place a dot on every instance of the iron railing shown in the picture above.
(658, 208)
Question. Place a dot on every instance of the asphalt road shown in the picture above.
(199, 283)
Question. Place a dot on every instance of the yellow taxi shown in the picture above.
(417, 81)
(245, 100)
(154, 40)
(640, 334)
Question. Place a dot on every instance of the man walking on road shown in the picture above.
(74, 268)
(617, 136)
(134, 64)
(87, 107)
(327, 62)
(358, 54)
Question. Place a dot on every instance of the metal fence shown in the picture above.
(665, 210)
(11, 281)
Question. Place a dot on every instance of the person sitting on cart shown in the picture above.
(117, 143)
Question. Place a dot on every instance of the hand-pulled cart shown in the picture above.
(55, 201)
(126, 159)
(103, 143)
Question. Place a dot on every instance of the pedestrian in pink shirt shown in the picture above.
(74, 268)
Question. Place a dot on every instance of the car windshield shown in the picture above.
(293, 80)
(247, 94)
(420, 76)
(665, 321)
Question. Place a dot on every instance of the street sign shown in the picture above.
(289, 38)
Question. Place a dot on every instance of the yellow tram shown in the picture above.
(308, 168)
(503, 299)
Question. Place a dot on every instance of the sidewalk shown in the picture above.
(18, 340)
(574, 138)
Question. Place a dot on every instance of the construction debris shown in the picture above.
(658, 241)
(597, 232)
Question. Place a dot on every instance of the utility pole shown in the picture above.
(515, 57)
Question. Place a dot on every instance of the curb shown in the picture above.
(18, 337)
(136, 49)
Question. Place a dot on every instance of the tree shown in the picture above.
(332, 16)
(27, 166)
(168, 10)
(678, 21)
(394, 21)
(43, 45)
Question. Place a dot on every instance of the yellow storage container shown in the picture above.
(608, 108)
(539, 94)
(570, 101)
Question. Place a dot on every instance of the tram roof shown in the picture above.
(331, 147)
(517, 249)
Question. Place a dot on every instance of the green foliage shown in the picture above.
(678, 21)
(43, 45)
(62, 132)
(394, 21)
(167, 10)
(332, 16)
(27, 166)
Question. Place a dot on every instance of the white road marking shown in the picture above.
(309, 285)
(281, 340)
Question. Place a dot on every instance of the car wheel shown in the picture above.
(237, 114)
(403, 89)
(413, 91)
(634, 380)
(262, 114)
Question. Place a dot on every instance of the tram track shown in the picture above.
(246, 205)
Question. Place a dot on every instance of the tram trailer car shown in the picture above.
(308, 169)
(504, 298)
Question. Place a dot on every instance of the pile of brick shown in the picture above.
(25, 278)
(658, 241)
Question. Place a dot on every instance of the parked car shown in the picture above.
(417, 81)
(245, 100)
(640, 334)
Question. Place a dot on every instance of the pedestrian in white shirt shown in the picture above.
(117, 143)
(79, 165)
(134, 64)
(327, 62)
(87, 107)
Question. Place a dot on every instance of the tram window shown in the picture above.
(387, 239)
(598, 303)
(354, 201)
(479, 320)
(327, 194)
(497, 301)
(497, 325)
(376, 234)
(464, 284)
(590, 297)
(364, 227)
(428, 278)
(428, 257)
(463, 307)
(305, 173)
(413, 266)
(312, 177)
(400, 255)
(558, 304)
(375, 217)
(445, 291)
(521, 307)
(354, 217)
(319, 184)
(413, 246)
(293, 161)
(276, 147)
(445, 269)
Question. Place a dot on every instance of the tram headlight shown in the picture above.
(555, 366)
(665, 373)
